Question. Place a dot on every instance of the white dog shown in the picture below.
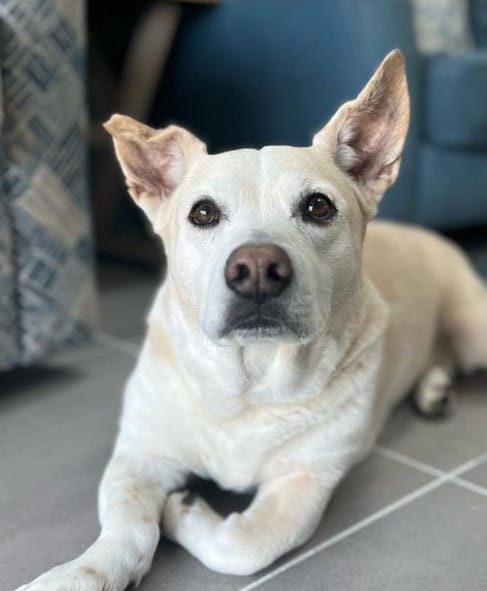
(281, 338)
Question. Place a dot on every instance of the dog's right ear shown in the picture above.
(154, 161)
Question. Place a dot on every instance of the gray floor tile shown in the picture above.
(57, 426)
(372, 485)
(478, 475)
(74, 354)
(137, 340)
(436, 542)
(125, 296)
(443, 443)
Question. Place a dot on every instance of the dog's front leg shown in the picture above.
(132, 494)
(283, 515)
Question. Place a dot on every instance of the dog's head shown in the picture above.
(266, 244)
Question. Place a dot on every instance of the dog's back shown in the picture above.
(438, 305)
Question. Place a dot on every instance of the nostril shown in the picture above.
(279, 271)
(274, 272)
(237, 272)
(242, 272)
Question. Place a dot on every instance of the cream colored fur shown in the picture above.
(376, 309)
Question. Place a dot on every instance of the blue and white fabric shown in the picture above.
(46, 251)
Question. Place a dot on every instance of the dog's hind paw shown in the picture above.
(434, 396)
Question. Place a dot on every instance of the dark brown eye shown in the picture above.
(318, 207)
(204, 213)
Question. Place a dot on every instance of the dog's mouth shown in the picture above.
(258, 323)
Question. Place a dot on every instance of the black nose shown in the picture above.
(258, 271)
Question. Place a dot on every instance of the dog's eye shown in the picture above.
(318, 208)
(204, 213)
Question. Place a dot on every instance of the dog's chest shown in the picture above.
(240, 448)
(233, 457)
(237, 453)
(264, 443)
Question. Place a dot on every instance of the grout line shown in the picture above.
(426, 468)
(470, 486)
(470, 465)
(120, 345)
(408, 461)
(378, 515)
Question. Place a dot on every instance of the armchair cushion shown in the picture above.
(451, 188)
(455, 106)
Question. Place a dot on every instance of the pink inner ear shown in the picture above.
(154, 169)
(369, 142)
(374, 135)
(158, 165)
(171, 165)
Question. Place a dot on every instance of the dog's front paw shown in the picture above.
(72, 576)
(183, 509)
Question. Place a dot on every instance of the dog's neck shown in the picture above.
(229, 379)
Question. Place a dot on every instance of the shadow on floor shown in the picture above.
(22, 383)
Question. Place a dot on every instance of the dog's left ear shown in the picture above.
(367, 134)
(154, 161)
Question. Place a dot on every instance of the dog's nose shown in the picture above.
(258, 271)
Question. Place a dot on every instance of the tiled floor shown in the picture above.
(412, 517)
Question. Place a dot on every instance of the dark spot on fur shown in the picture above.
(94, 574)
(189, 498)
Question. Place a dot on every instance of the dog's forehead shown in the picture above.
(279, 167)
(267, 160)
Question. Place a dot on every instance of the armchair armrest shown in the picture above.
(478, 20)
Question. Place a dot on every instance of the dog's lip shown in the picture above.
(256, 323)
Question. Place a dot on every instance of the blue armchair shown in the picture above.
(254, 72)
